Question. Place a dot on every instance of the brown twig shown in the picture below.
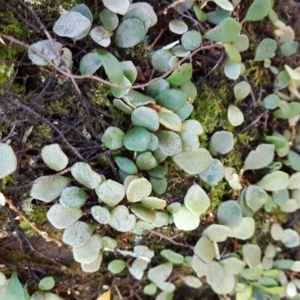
(21, 215)
(169, 239)
(205, 46)
(150, 47)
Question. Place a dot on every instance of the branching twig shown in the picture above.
(205, 46)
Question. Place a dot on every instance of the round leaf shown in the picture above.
(77, 234)
(89, 64)
(221, 142)
(185, 219)
(121, 220)
(255, 197)
(274, 181)
(205, 249)
(214, 173)
(216, 232)
(113, 138)
(8, 160)
(258, 10)
(89, 251)
(117, 6)
(61, 217)
(241, 90)
(110, 192)
(290, 238)
(229, 213)
(116, 266)
(191, 40)
(251, 255)
(138, 189)
(196, 200)
(100, 214)
(48, 188)
(109, 19)
(73, 25)
(193, 162)
(265, 49)
(137, 139)
(234, 115)
(145, 117)
(160, 273)
(129, 33)
(101, 35)
(259, 158)
(181, 75)
(73, 197)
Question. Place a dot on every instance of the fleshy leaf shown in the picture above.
(110, 192)
(138, 189)
(116, 266)
(117, 6)
(251, 255)
(196, 200)
(221, 142)
(112, 138)
(73, 197)
(204, 249)
(274, 181)
(229, 213)
(266, 49)
(241, 90)
(235, 115)
(185, 219)
(48, 188)
(259, 158)
(258, 10)
(121, 220)
(8, 160)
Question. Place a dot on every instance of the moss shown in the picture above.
(44, 130)
(216, 194)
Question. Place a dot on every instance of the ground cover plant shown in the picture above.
(150, 150)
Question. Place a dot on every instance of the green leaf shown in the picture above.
(110, 192)
(245, 230)
(241, 90)
(181, 75)
(216, 232)
(158, 87)
(200, 14)
(294, 160)
(281, 197)
(135, 99)
(73, 25)
(290, 238)
(289, 48)
(290, 206)
(196, 200)
(100, 214)
(255, 197)
(73, 197)
(121, 220)
(84, 174)
(47, 283)
(217, 16)
(109, 19)
(150, 289)
(252, 274)
(111, 65)
(232, 265)
(227, 31)
(226, 286)
(265, 49)
(14, 290)
(160, 60)
(171, 99)
(129, 33)
(116, 266)
(170, 121)
(48, 188)
(101, 35)
(233, 52)
(159, 185)
(276, 232)
(138, 189)
(8, 161)
(259, 158)
(169, 142)
(185, 219)
(137, 139)
(77, 234)
(143, 212)
(146, 161)
(172, 257)
(89, 64)
(192, 126)
(283, 264)
(192, 281)
(89, 251)
(117, 6)
(242, 43)
(93, 266)
(178, 26)
(205, 249)
(275, 181)
(190, 141)
(258, 10)
(61, 217)
(145, 117)
(191, 40)
(235, 115)
(221, 142)
(84, 10)
(44, 47)
(214, 173)
(224, 4)
(160, 273)
(294, 181)
(113, 138)
(199, 266)
(229, 213)
(232, 69)
(193, 162)
(251, 255)
(271, 101)
(215, 273)
(126, 165)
